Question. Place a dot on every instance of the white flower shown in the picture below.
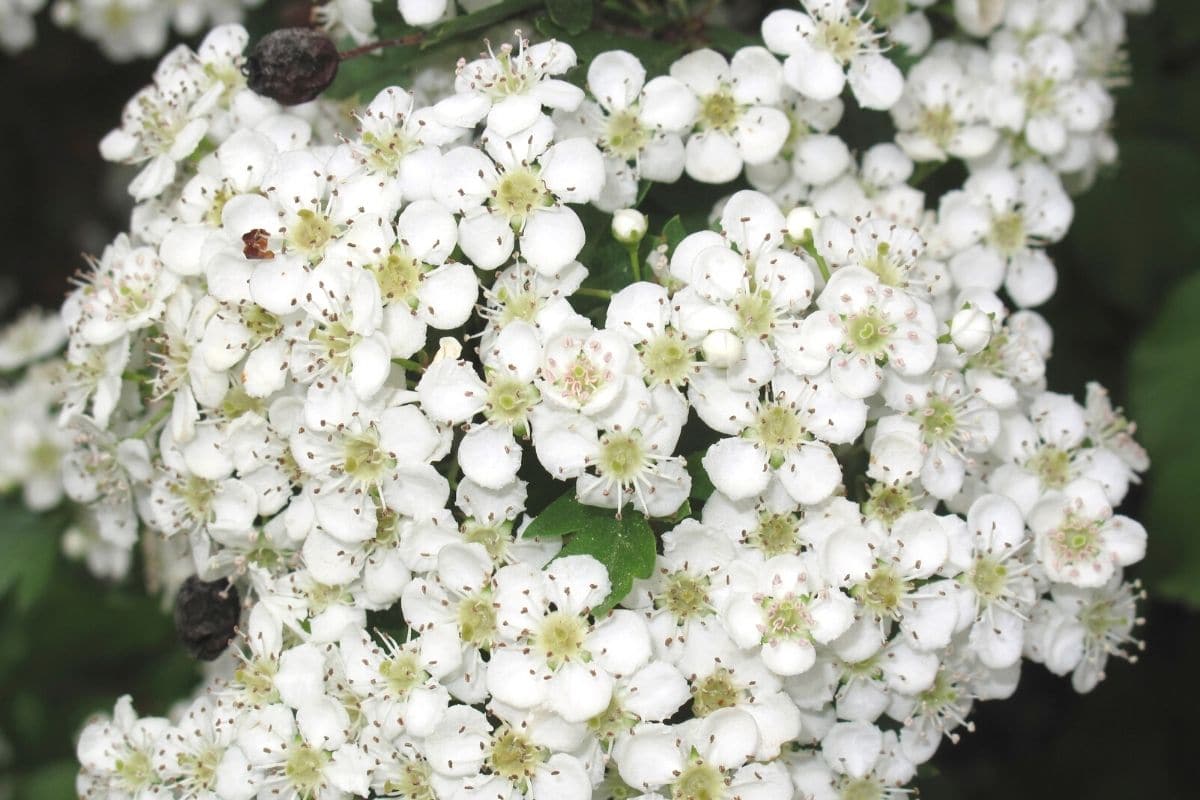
(738, 121)
(828, 46)
(1078, 538)
(515, 195)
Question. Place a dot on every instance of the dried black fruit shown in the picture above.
(292, 65)
(206, 616)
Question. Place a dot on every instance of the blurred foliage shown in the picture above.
(1127, 314)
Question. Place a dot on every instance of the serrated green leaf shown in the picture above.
(568, 515)
(1164, 374)
(575, 16)
(626, 549)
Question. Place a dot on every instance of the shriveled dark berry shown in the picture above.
(206, 616)
(292, 65)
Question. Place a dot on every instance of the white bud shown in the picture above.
(722, 348)
(629, 225)
(800, 220)
(971, 330)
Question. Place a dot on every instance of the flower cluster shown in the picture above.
(335, 370)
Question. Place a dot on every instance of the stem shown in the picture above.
(811, 248)
(401, 41)
(634, 262)
(603, 294)
(409, 364)
(151, 423)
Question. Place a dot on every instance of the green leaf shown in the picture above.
(1164, 376)
(727, 40)
(568, 515)
(575, 16)
(626, 548)
(673, 233)
(28, 549)
(702, 486)
(477, 21)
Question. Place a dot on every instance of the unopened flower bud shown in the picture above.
(800, 220)
(971, 330)
(206, 616)
(292, 65)
(629, 225)
(722, 348)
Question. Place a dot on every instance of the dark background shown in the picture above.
(69, 645)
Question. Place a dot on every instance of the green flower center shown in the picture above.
(842, 37)
(668, 359)
(699, 781)
(622, 457)
(519, 192)
(415, 783)
(494, 538)
(882, 591)
(514, 757)
(988, 576)
(201, 767)
(1077, 539)
(403, 673)
(938, 421)
(516, 305)
(477, 620)
(715, 691)
(1052, 466)
(365, 460)
(888, 265)
(399, 277)
(861, 789)
(867, 333)
(625, 136)
(310, 233)
(135, 770)
(304, 769)
(580, 380)
(938, 125)
(787, 617)
(756, 315)
(719, 111)
(1008, 233)
(779, 429)
(611, 722)
(776, 534)
(196, 494)
(685, 596)
(384, 153)
(560, 638)
(509, 401)
(887, 502)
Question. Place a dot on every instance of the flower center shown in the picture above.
(890, 265)
(403, 673)
(384, 153)
(365, 461)
(304, 769)
(776, 534)
(938, 421)
(861, 789)
(699, 781)
(882, 591)
(561, 637)
(257, 679)
(201, 767)
(756, 315)
(514, 757)
(509, 401)
(938, 125)
(787, 617)
(867, 333)
(477, 620)
(668, 359)
(611, 722)
(887, 502)
(310, 233)
(625, 136)
(715, 691)
(196, 494)
(1077, 539)
(780, 430)
(842, 37)
(519, 192)
(1052, 466)
(622, 457)
(494, 538)
(1008, 233)
(399, 276)
(580, 380)
(988, 576)
(415, 783)
(685, 596)
(135, 769)
(719, 111)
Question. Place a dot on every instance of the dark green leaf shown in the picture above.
(729, 40)
(477, 21)
(702, 487)
(575, 16)
(28, 548)
(626, 548)
(673, 233)
(1164, 376)
(568, 515)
